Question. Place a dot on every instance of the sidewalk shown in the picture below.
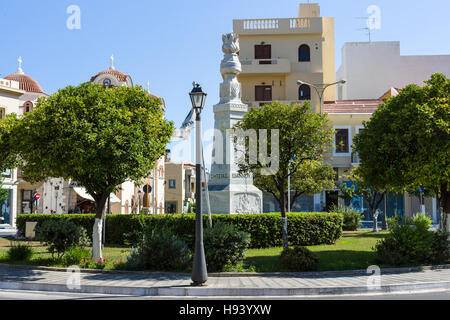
(170, 284)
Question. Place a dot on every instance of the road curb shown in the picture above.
(205, 291)
(239, 274)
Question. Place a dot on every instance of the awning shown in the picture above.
(82, 193)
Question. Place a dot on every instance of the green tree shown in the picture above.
(311, 177)
(99, 137)
(303, 135)
(406, 143)
(372, 193)
(9, 158)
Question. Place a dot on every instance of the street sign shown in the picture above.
(37, 196)
(147, 188)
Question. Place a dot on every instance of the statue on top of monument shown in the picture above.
(230, 67)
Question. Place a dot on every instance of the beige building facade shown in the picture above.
(277, 52)
(179, 187)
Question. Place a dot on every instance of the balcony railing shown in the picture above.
(275, 25)
(251, 66)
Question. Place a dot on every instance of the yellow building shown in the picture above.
(179, 187)
(277, 52)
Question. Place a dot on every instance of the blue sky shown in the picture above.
(171, 43)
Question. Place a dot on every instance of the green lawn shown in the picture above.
(43, 258)
(352, 251)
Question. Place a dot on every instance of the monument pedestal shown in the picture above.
(229, 192)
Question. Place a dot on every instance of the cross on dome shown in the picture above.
(112, 62)
(19, 69)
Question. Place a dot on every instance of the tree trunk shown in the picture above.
(284, 218)
(97, 239)
(100, 202)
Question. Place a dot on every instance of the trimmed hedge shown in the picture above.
(304, 228)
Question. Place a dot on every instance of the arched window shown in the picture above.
(304, 53)
(304, 92)
(28, 106)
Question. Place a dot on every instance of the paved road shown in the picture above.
(41, 295)
(238, 285)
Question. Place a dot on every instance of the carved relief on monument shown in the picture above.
(246, 203)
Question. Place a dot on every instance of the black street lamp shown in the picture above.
(199, 272)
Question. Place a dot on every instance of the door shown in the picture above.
(263, 51)
(263, 93)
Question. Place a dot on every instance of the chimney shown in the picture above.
(308, 10)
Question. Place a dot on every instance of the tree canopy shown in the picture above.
(303, 137)
(100, 137)
(406, 143)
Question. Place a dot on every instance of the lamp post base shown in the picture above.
(198, 284)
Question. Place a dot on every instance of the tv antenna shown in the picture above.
(367, 28)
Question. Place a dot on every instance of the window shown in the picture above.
(342, 141)
(172, 183)
(263, 93)
(28, 106)
(304, 92)
(304, 53)
(107, 82)
(2, 112)
(263, 51)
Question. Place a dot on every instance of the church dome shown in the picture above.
(112, 77)
(26, 83)
(122, 77)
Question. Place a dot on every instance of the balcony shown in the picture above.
(259, 66)
(278, 26)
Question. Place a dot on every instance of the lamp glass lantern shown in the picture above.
(198, 97)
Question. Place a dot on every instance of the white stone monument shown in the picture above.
(229, 192)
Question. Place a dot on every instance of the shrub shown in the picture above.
(440, 248)
(352, 217)
(76, 255)
(20, 252)
(160, 250)
(298, 259)
(92, 264)
(225, 246)
(413, 244)
(422, 221)
(304, 228)
(61, 236)
(392, 222)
